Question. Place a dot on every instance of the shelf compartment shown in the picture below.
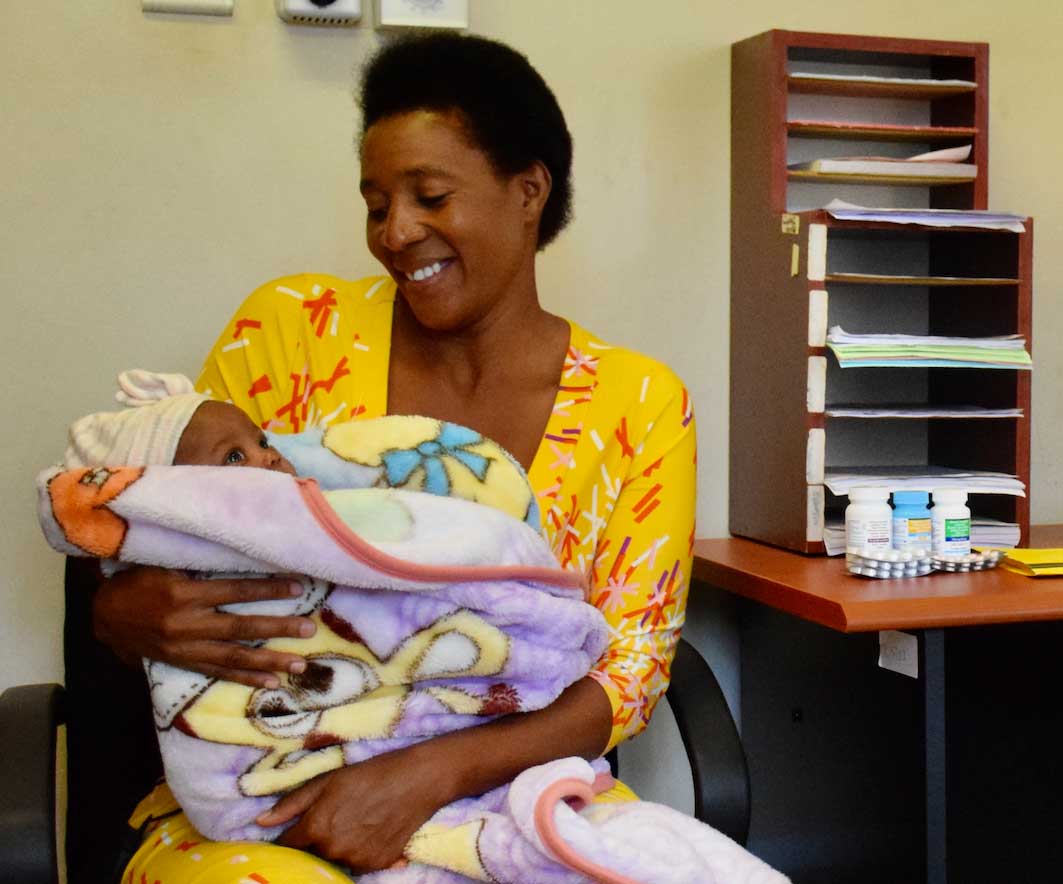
(903, 180)
(920, 412)
(942, 281)
(877, 131)
(886, 87)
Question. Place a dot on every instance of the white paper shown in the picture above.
(922, 478)
(977, 218)
(898, 652)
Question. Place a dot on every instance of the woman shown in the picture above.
(466, 176)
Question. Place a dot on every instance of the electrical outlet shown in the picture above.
(343, 13)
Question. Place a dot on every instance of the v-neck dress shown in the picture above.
(614, 474)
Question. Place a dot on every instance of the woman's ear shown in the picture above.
(535, 183)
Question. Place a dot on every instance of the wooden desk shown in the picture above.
(860, 774)
(818, 589)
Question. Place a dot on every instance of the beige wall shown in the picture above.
(155, 169)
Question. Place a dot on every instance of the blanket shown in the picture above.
(433, 613)
(543, 828)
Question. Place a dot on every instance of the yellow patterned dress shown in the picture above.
(615, 477)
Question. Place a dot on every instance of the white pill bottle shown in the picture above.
(868, 518)
(950, 522)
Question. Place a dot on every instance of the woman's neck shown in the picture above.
(463, 357)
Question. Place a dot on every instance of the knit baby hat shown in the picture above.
(146, 432)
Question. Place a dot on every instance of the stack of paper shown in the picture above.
(977, 218)
(922, 478)
(834, 537)
(984, 533)
(868, 78)
(856, 351)
(920, 412)
(945, 163)
(991, 532)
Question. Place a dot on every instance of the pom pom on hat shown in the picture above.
(146, 433)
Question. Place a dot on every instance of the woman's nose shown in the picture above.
(401, 228)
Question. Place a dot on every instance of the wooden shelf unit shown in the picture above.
(840, 178)
(762, 101)
(879, 131)
(858, 88)
(868, 277)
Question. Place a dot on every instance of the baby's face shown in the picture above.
(220, 434)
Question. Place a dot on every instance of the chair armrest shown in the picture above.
(29, 717)
(713, 746)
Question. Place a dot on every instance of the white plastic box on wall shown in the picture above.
(341, 13)
(422, 13)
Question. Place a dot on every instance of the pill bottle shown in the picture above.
(911, 520)
(950, 521)
(868, 518)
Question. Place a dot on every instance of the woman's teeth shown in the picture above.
(424, 272)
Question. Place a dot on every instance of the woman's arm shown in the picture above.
(167, 615)
(363, 816)
(644, 556)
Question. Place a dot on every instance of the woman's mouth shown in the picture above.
(426, 272)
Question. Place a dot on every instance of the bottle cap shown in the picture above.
(950, 495)
(911, 497)
(869, 493)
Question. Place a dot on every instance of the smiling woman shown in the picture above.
(466, 163)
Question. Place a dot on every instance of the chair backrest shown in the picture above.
(113, 756)
(712, 743)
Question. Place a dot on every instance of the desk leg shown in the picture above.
(934, 725)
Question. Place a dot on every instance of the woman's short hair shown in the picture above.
(509, 110)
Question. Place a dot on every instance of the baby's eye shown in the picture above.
(235, 456)
(263, 442)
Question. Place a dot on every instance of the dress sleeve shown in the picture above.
(642, 565)
(252, 357)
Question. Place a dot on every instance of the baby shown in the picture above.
(444, 614)
(167, 422)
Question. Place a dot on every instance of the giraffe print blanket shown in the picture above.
(433, 613)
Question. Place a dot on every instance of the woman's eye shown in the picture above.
(234, 456)
(378, 215)
(432, 201)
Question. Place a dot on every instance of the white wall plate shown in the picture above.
(341, 13)
(190, 7)
(422, 13)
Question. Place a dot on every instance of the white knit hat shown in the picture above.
(159, 407)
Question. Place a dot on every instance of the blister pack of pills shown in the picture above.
(973, 561)
(877, 561)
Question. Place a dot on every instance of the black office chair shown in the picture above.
(113, 760)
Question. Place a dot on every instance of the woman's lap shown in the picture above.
(173, 852)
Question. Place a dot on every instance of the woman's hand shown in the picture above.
(167, 615)
(363, 816)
